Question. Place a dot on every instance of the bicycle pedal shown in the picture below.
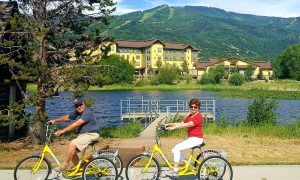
(68, 177)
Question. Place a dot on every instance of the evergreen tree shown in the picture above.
(249, 72)
(185, 67)
(44, 35)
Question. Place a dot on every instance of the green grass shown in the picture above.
(279, 89)
(265, 130)
(132, 129)
(269, 94)
(292, 131)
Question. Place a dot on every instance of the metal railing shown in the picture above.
(143, 108)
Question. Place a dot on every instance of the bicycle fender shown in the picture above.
(146, 153)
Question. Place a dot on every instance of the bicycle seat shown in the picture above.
(198, 146)
(93, 142)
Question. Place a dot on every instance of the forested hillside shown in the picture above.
(216, 32)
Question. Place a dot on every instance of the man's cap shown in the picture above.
(78, 102)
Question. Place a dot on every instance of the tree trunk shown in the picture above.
(36, 133)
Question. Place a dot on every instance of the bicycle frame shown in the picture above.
(74, 171)
(185, 170)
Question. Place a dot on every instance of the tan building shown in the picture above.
(264, 66)
(145, 54)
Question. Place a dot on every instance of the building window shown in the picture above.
(159, 50)
(138, 57)
(159, 58)
(137, 63)
(166, 58)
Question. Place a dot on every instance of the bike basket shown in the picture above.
(215, 163)
(215, 152)
(108, 153)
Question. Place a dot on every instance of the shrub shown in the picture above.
(261, 111)
(236, 79)
(218, 72)
(154, 80)
(260, 75)
(117, 69)
(208, 78)
(142, 82)
(168, 74)
(186, 78)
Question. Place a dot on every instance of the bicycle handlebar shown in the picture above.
(48, 135)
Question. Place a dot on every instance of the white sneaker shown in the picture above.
(171, 173)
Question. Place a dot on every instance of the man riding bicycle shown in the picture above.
(86, 126)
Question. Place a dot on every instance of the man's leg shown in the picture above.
(71, 151)
(75, 157)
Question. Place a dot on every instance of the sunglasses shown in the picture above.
(77, 106)
(194, 107)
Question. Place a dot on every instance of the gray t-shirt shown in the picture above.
(88, 117)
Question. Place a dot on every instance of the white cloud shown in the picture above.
(123, 9)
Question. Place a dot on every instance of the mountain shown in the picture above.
(216, 32)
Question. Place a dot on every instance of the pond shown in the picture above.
(107, 105)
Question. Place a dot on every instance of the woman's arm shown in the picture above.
(172, 126)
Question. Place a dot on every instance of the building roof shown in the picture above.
(136, 44)
(179, 46)
(7, 9)
(205, 64)
(149, 42)
(263, 64)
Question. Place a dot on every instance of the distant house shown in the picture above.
(145, 54)
(203, 67)
(9, 92)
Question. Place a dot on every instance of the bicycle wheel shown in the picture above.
(201, 156)
(215, 168)
(25, 169)
(100, 168)
(118, 163)
(142, 167)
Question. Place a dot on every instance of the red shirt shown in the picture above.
(195, 131)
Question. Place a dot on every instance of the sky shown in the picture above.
(278, 8)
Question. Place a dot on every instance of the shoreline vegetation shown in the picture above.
(263, 144)
(278, 89)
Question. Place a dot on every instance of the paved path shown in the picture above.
(270, 172)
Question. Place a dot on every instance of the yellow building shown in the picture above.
(145, 54)
(263, 66)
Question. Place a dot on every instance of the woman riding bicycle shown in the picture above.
(193, 122)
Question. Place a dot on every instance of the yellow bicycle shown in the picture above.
(38, 167)
(207, 165)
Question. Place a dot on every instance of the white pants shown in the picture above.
(189, 143)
